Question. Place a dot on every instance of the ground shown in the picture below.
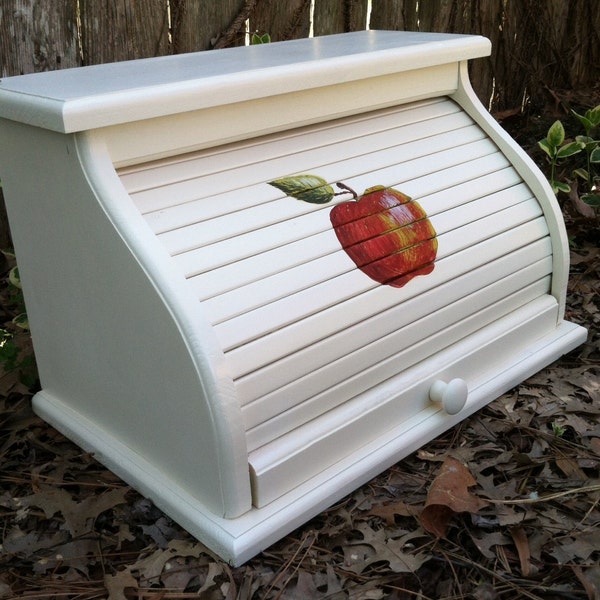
(523, 519)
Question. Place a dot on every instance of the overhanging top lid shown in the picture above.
(101, 95)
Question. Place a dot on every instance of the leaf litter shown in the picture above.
(506, 505)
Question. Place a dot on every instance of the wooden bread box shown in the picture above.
(238, 337)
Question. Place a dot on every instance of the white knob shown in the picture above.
(452, 395)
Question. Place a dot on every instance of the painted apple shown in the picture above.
(387, 235)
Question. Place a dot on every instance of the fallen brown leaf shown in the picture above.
(449, 495)
(387, 512)
(522, 545)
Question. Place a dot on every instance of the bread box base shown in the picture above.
(258, 277)
(238, 540)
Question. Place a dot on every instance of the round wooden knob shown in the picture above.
(451, 395)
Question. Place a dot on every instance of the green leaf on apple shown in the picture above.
(308, 188)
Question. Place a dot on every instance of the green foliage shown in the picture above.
(258, 38)
(553, 145)
(557, 429)
(557, 149)
(16, 350)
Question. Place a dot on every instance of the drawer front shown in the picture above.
(304, 331)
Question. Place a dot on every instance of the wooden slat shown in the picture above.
(289, 220)
(187, 194)
(198, 199)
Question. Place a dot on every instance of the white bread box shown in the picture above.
(236, 336)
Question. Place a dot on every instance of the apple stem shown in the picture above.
(346, 188)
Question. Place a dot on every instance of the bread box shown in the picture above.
(257, 277)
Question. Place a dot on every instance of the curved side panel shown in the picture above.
(118, 341)
(533, 177)
(221, 422)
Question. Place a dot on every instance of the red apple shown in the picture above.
(385, 233)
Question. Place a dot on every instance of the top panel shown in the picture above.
(102, 95)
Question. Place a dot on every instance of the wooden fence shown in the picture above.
(539, 46)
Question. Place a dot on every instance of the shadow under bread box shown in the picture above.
(257, 277)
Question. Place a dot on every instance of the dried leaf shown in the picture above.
(78, 516)
(334, 586)
(582, 208)
(580, 546)
(397, 552)
(151, 567)
(590, 579)
(449, 494)
(178, 573)
(6, 590)
(570, 468)
(17, 541)
(75, 555)
(486, 541)
(161, 531)
(303, 588)
(215, 570)
(522, 545)
(116, 584)
(387, 512)
(485, 591)
(590, 382)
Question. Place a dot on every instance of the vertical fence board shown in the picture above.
(514, 49)
(328, 17)
(37, 36)
(282, 21)
(573, 55)
(484, 18)
(397, 15)
(440, 16)
(116, 30)
(201, 25)
(356, 15)
(333, 16)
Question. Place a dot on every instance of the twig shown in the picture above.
(228, 36)
(302, 547)
(590, 488)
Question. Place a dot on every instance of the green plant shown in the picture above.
(557, 149)
(557, 429)
(591, 122)
(258, 38)
(16, 350)
(554, 146)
